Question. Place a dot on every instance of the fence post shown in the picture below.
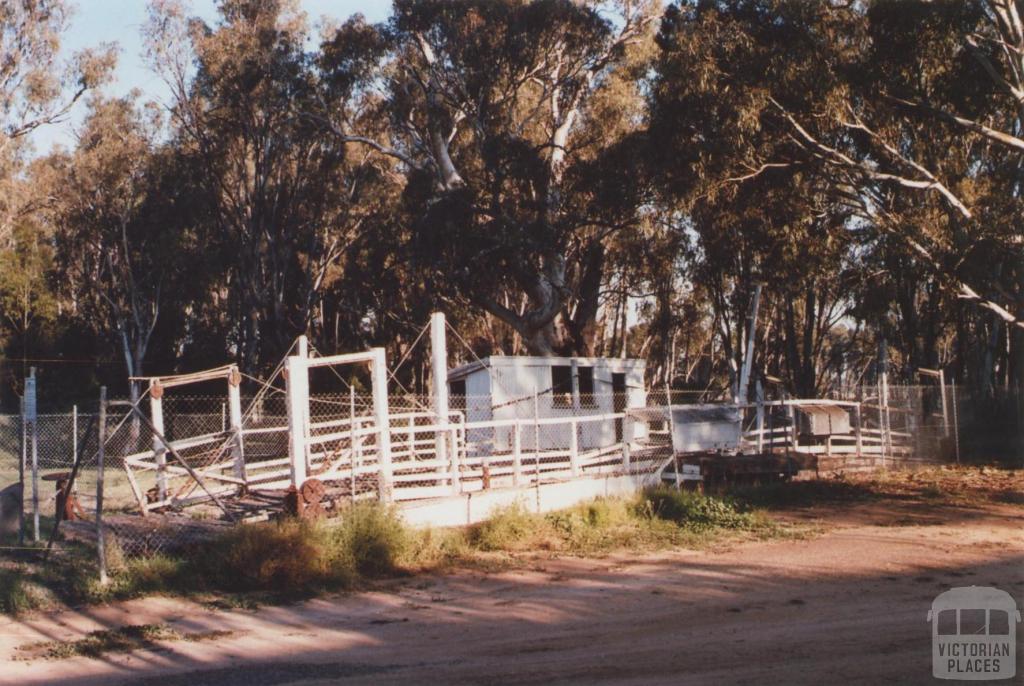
(156, 415)
(945, 412)
(382, 416)
(574, 449)
(33, 417)
(101, 437)
(74, 434)
(352, 439)
(439, 381)
(23, 458)
(536, 436)
(297, 383)
(517, 455)
(235, 403)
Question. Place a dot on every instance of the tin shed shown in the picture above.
(509, 387)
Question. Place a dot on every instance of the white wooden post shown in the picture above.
(888, 417)
(536, 434)
(156, 414)
(517, 454)
(297, 382)
(235, 403)
(381, 415)
(439, 380)
(302, 350)
(574, 449)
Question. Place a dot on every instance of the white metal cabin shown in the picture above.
(507, 387)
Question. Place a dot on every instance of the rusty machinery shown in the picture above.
(68, 507)
(306, 502)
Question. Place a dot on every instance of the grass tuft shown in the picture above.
(18, 594)
(508, 528)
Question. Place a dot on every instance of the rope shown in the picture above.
(391, 377)
(408, 352)
(333, 370)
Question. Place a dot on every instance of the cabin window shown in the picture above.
(561, 385)
(585, 378)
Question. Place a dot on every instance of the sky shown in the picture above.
(120, 21)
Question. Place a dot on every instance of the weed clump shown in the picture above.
(282, 556)
(18, 594)
(371, 539)
(507, 528)
(696, 511)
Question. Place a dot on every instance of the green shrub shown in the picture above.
(371, 538)
(289, 556)
(301, 557)
(694, 510)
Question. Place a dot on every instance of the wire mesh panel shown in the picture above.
(482, 443)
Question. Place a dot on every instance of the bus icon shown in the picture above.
(974, 634)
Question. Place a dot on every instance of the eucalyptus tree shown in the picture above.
(36, 88)
(283, 202)
(852, 101)
(28, 301)
(490, 112)
(121, 258)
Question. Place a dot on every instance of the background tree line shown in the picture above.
(560, 177)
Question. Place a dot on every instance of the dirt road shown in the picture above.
(847, 606)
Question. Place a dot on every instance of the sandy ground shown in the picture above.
(848, 606)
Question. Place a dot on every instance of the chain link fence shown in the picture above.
(519, 441)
